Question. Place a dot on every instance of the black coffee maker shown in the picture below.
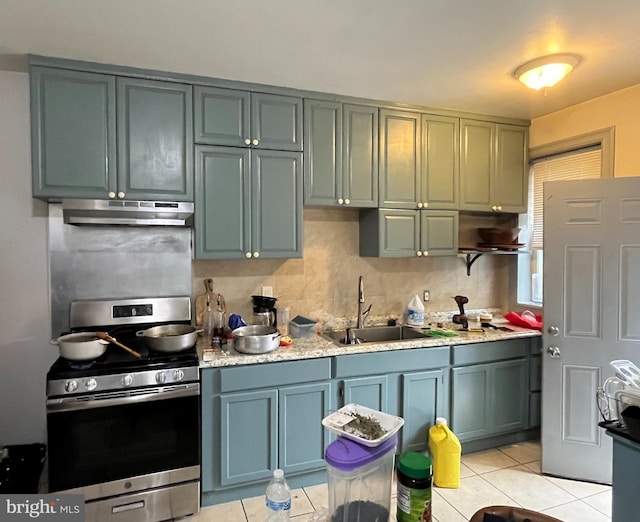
(264, 310)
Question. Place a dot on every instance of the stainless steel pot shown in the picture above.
(256, 339)
(81, 346)
(170, 337)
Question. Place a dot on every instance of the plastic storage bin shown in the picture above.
(359, 480)
(300, 327)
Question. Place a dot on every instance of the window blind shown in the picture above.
(578, 164)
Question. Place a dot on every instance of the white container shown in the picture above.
(338, 421)
(415, 312)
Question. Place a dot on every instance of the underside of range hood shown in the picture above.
(125, 212)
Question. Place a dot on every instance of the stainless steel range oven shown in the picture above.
(123, 431)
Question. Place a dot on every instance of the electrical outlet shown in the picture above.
(425, 296)
(267, 291)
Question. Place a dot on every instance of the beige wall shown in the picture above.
(325, 280)
(620, 109)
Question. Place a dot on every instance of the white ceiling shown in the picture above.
(455, 54)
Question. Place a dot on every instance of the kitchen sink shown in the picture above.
(376, 334)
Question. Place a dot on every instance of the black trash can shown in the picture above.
(20, 468)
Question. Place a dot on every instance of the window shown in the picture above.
(579, 158)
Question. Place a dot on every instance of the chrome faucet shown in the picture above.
(361, 314)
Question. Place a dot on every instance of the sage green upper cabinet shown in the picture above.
(408, 233)
(243, 119)
(440, 162)
(341, 154)
(78, 130)
(154, 140)
(248, 203)
(73, 133)
(493, 167)
(400, 159)
(512, 168)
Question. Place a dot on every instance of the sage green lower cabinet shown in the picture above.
(490, 390)
(261, 417)
(535, 382)
(248, 203)
(412, 384)
(408, 233)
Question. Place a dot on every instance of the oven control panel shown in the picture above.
(106, 383)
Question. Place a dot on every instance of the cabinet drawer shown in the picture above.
(391, 362)
(490, 351)
(274, 374)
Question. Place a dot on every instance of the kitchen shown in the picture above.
(300, 283)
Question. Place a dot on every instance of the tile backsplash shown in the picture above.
(324, 282)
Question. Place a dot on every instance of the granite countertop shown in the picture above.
(320, 346)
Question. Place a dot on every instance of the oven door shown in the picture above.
(121, 442)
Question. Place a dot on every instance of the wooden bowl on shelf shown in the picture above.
(499, 235)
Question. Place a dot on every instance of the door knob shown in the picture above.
(554, 352)
(554, 330)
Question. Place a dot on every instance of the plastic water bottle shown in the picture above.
(278, 498)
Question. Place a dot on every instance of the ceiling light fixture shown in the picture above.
(546, 71)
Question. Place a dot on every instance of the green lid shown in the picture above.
(414, 465)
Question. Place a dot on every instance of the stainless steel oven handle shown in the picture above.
(117, 398)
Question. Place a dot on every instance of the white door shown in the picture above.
(591, 315)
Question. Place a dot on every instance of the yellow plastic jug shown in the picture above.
(445, 452)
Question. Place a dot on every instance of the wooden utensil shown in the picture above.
(107, 337)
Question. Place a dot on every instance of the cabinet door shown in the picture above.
(399, 232)
(221, 116)
(276, 197)
(440, 162)
(155, 140)
(276, 122)
(302, 438)
(371, 392)
(248, 436)
(512, 168)
(73, 133)
(439, 232)
(477, 163)
(360, 156)
(322, 153)
(223, 203)
(399, 159)
(470, 401)
(509, 395)
(422, 401)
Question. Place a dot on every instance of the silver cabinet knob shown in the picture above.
(347, 201)
(425, 253)
(425, 204)
(121, 195)
(494, 208)
(419, 205)
(248, 255)
(256, 254)
(499, 208)
(418, 253)
(127, 380)
(554, 352)
(340, 201)
(112, 195)
(255, 141)
(247, 141)
(554, 330)
(71, 386)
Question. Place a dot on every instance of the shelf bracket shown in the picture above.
(471, 258)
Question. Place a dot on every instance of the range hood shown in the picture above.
(126, 212)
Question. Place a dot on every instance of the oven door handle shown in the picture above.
(119, 398)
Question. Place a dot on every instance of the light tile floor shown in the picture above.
(509, 475)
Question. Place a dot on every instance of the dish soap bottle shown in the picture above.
(415, 312)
